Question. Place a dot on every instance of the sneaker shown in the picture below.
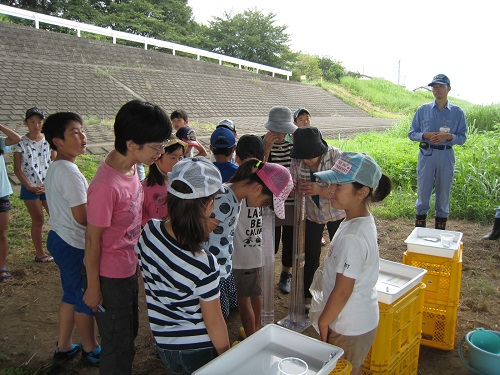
(93, 356)
(285, 279)
(60, 355)
(243, 335)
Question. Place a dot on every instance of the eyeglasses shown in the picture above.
(159, 148)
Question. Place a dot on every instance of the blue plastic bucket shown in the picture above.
(484, 354)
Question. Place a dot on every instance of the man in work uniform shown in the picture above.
(437, 126)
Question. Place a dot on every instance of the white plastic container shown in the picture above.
(261, 353)
(396, 279)
(428, 241)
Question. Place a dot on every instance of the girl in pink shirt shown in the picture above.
(155, 185)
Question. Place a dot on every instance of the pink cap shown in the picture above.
(278, 179)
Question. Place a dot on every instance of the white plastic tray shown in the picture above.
(260, 354)
(396, 279)
(418, 242)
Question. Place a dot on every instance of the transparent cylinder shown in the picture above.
(268, 267)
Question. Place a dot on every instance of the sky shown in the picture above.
(403, 42)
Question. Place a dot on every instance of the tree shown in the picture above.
(170, 20)
(308, 66)
(250, 35)
(331, 70)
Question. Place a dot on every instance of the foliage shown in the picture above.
(331, 70)
(250, 35)
(307, 65)
(170, 20)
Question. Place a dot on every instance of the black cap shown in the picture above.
(34, 111)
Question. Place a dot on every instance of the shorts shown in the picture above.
(186, 361)
(228, 297)
(27, 195)
(69, 259)
(5, 204)
(355, 347)
(248, 283)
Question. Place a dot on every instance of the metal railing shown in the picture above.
(114, 34)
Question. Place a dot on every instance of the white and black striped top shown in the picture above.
(280, 154)
(175, 281)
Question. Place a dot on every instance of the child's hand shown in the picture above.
(93, 299)
(309, 188)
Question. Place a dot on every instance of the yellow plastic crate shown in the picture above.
(407, 364)
(400, 324)
(439, 324)
(343, 367)
(442, 279)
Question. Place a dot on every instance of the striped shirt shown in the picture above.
(175, 281)
(280, 154)
(323, 212)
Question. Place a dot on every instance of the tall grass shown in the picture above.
(476, 187)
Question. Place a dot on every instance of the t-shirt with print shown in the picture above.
(115, 202)
(175, 281)
(154, 205)
(248, 238)
(35, 159)
(66, 187)
(220, 242)
(5, 188)
(354, 253)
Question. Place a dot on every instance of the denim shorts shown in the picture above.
(185, 362)
(5, 204)
(27, 195)
(69, 259)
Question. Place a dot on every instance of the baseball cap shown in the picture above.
(278, 179)
(300, 111)
(202, 176)
(186, 134)
(250, 146)
(226, 123)
(353, 167)
(440, 79)
(222, 138)
(34, 111)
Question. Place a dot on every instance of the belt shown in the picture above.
(426, 145)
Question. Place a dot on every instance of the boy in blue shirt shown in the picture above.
(222, 145)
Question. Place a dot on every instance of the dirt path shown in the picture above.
(28, 307)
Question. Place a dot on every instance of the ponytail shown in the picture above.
(381, 192)
(246, 172)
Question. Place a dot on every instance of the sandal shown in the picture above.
(5, 276)
(44, 259)
(68, 354)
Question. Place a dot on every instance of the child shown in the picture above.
(180, 123)
(114, 212)
(261, 184)
(180, 276)
(247, 256)
(66, 190)
(350, 271)
(222, 145)
(5, 207)
(155, 186)
(302, 117)
(277, 150)
(311, 154)
(32, 157)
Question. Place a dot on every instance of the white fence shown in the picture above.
(79, 26)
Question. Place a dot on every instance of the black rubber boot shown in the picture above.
(440, 223)
(420, 221)
(495, 232)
